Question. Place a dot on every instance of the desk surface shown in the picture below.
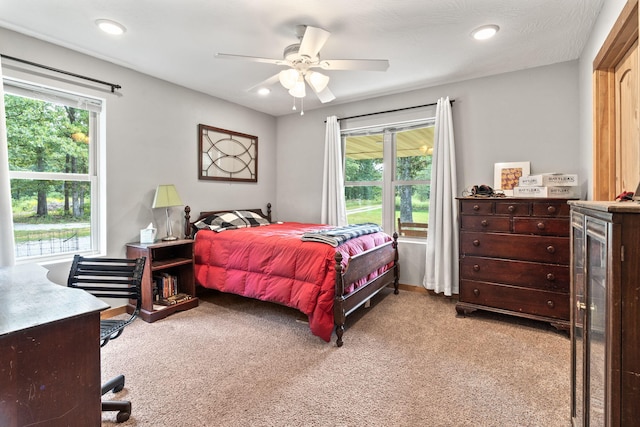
(29, 299)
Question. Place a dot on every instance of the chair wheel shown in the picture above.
(122, 416)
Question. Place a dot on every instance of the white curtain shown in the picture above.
(7, 255)
(334, 211)
(442, 241)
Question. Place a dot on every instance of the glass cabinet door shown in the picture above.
(577, 319)
(596, 315)
(588, 321)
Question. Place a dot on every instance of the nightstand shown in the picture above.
(173, 262)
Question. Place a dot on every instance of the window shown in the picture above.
(387, 173)
(53, 143)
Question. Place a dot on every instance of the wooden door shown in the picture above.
(615, 104)
(627, 136)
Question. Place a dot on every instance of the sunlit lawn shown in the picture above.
(375, 215)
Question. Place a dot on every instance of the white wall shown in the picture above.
(529, 115)
(152, 139)
(608, 16)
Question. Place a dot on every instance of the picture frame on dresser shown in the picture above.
(506, 175)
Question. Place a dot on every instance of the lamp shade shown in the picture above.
(166, 195)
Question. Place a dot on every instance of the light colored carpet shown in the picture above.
(406, 361)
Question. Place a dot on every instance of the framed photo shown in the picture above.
(225, 155)
(506, 175)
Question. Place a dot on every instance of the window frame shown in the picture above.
(389, 183)
(96, 160)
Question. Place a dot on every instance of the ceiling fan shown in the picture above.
(302, 57)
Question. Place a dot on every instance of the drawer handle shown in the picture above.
(551, 209)
(476, 267)
(551, 304)
(551, 277)
(551, 249)
(484, 223)
(476, 291)
(511, 208)
(476, 207)
(476, 243)
(541, 226)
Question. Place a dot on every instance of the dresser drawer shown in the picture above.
(547, 249)
(485, 223)
(551, 208)
(513, 208)
(547, 277)
(542, 226)
(476, 207)
(513, 298)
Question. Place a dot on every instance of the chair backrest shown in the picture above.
(109, 278)
(412, 229)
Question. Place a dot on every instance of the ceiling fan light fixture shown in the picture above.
(317, 81)
(298, 90)
(288, 78)
(485, 32)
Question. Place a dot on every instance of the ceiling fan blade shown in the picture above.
(265, 83)
(355, 64)
(312, 41)
(325, 95)
(252, 58)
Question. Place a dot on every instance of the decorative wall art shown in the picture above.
(225, 155)
(506, 175)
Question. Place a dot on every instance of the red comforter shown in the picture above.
(271, 263)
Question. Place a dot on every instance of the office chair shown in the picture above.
(111, 278)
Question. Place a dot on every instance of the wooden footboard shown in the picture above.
(361, 266)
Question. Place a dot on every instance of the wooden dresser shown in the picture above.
(514, 258)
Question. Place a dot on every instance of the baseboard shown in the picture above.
(422, 290)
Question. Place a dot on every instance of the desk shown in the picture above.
(49, 351)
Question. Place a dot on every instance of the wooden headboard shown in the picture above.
(190, 229)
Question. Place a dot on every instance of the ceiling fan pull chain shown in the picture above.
(294, 103)
(301, 106)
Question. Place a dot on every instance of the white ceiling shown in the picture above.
(427, 42)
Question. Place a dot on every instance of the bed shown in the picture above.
(271, 261)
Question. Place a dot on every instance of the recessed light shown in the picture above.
(264, 91)
(111, 27)
(485, 32)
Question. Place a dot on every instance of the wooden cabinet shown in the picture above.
(174, 258)
(605, 314)
(514, 258)
(50, 351)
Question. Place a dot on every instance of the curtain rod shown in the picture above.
(391, 111)
(112, 85)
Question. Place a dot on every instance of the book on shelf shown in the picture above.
(174, 299)
(166, 285)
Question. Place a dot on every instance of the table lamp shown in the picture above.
(167, 196)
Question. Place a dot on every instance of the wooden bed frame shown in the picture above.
(359, 266)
